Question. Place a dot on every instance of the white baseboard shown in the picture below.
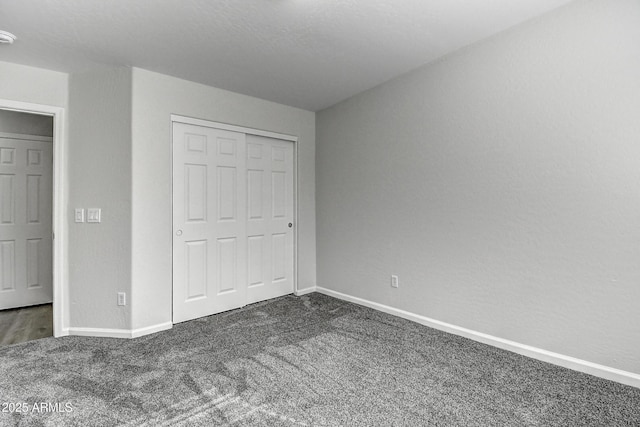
(100, 332)
(119, 333)
(305, 291)
(606, 372)
(62, 332)
(151, 329)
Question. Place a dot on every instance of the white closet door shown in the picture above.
(209, 215)
(270, 214)
(26, 195)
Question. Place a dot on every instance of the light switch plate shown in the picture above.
(79, 215)
(94, 214)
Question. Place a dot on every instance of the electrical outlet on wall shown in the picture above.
(122, 298)
(394, 281)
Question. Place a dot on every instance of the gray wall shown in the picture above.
(25, 124)
(33, 85)
(155, 98)
(99, 170)
(118, 150)
(502, 185)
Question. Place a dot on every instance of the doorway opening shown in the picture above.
(26, 224)
(31, 222)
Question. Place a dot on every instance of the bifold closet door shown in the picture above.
(233, 211)
(209, 221)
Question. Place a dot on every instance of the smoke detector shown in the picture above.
(6, 37)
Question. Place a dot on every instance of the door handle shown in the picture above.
(179, 233)
(290, 225)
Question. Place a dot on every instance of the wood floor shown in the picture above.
(26, 324)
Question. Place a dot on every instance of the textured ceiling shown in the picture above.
(305, 53)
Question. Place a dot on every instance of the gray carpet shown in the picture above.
(297, 361)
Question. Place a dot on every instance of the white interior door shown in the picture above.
(270, 216)
(209, 215)
(233, 211)
(26, 197)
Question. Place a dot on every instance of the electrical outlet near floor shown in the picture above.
(394, 281)
(122, 298)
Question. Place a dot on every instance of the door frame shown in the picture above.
(176, 118)
(58, 214)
